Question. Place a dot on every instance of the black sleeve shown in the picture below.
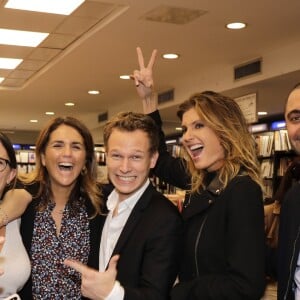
(168, 168)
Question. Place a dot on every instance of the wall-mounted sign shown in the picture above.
(247, 104)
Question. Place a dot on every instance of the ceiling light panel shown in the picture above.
(9, 63)
(21, 38)
(47, 6)
(65, 34)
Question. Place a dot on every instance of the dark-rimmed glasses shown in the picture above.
(3, 163)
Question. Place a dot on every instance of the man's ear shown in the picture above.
(154, 158)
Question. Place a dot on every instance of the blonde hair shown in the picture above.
(224, 116)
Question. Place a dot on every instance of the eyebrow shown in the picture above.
(294, 111)
(62, 141)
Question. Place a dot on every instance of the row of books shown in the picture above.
(24, 156)
(281, 140)
(272, 141)
(25, 168)
(267, 168)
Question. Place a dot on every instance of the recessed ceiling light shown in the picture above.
(47, 6)
(170, 56)
(94, 92)
(262, 113)
(9, 63)
(236, 25)
(1, 79)
(33, 121)
(49, 113)
(178, 129)
(21, 37)
(125, 77)
(69, 104)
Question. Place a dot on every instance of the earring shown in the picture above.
(83, 171)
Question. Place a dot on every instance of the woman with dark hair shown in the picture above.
(13, 258)
(61, 220)
(224, 238)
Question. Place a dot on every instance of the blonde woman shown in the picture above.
(223, 212)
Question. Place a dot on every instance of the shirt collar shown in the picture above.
(113, 198)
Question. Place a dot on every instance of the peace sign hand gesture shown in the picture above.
(143, 77)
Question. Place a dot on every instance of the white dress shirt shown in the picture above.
(116, 219)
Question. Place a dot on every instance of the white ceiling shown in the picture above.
(94, 46)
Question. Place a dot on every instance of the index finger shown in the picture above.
(76, 265)
(140, 57)
(152, 59)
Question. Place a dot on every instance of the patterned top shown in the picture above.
(50, 278)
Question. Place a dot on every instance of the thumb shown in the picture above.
(112, 266)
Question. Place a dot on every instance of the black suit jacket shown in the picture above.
(149, 247)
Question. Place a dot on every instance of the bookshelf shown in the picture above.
(273, 149)
(25, 156)
(101, 161)
(174, 194)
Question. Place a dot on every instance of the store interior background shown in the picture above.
(90, 49)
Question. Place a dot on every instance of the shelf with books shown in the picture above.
(101, 161)
(25, 157)
(273, 149)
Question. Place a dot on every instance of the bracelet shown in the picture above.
(3, 217)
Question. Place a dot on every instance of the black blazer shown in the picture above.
(149, 248)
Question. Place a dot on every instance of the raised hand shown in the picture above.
(143, 77)
(95, 285)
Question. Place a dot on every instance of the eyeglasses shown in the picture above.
(3, 163)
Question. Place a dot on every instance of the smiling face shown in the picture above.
(64, 157)
(8, 174)
(129, 160)
(292, 117)
(201, 143)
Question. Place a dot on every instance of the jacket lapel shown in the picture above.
(133, 219)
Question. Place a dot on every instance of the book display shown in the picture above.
(101, 160)
(274, 151)
(25, 157)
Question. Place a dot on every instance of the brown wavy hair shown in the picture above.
(86, 185)
(224, 116)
